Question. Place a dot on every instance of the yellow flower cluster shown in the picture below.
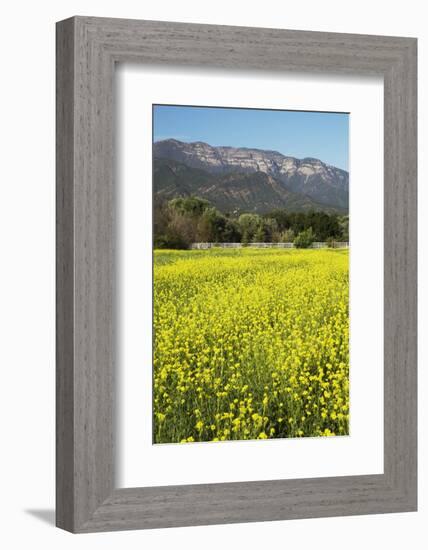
(250, 344)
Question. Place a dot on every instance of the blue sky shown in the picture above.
(296, 133)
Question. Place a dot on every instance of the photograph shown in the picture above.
(250, 274)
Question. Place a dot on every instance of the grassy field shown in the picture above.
(250, 344)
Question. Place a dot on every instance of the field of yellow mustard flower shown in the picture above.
(250, 344)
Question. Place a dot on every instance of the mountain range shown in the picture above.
(238, 179)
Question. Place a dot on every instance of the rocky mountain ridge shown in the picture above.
(315, 180)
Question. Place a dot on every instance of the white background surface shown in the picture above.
(27, 275)
(362, 451)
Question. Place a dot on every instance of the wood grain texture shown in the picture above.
(87, 50)
(64, 276)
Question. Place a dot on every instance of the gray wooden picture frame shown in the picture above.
(87, 50)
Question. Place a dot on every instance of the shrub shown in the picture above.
(170, 240)
(259, 235)
(304, 239)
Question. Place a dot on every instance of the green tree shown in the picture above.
(344, 228)
(193, 206)
(259, 235)
(270, 230)
(244, 239)
(249, 223)
(287, 236)
(304, 239)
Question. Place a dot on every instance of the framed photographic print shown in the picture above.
(236, 274)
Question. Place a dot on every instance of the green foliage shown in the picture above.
(193, 206)
(304, 239)
(170, 241)
(184, 220)
(270, 230)
(259, 235)
(323, 225)
(214, 227)
(245, 240)
(287, 236)
(344, 227)
(249, 224)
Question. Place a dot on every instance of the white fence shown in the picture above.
(205, 246)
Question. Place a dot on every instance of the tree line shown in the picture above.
(185, 220)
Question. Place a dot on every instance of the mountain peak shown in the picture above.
(317, 180)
